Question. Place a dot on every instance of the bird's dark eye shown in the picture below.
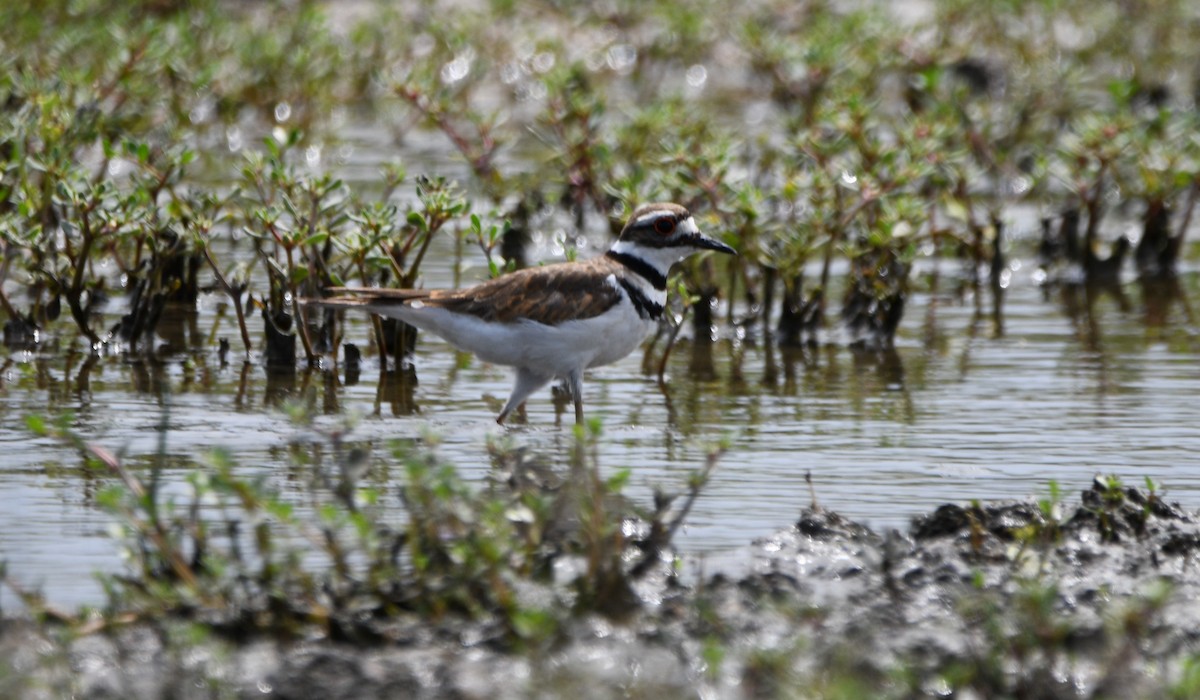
(664, 225)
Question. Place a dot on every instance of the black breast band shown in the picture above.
(646, 308)
(641, 267)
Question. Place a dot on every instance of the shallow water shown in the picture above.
(957, 412)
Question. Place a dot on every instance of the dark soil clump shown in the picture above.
(1016, 599)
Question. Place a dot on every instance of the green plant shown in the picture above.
(249, 559)
(879, 146)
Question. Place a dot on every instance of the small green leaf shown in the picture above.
(110, 498)
(534, 624)
(317, 238)
(36, 424)
(329, 513)
(617, 481)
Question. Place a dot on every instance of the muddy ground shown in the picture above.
(1092, 597)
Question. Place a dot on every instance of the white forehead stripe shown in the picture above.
(657, 213)
(688, 225)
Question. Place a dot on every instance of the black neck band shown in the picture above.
(646, 307)
(651, 274)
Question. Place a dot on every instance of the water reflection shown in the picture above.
(178, 329)
(397, 389)
(1159, 295)
(811, 373)
(700, 362)
(83, 378)
(280, 384)
(1084, 305)
(977, 399)
(243, 386)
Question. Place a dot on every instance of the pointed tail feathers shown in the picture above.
(379, 300)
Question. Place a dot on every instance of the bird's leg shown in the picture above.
(505, 413)
(575, 380)
(526, 383)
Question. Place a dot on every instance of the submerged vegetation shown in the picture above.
(518, 558)
(553, 584)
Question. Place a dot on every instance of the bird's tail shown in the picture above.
(360, 297)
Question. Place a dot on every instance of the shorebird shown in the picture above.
(557, 320)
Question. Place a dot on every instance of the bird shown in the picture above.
(553, 321)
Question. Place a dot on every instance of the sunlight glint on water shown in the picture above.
(961, 415)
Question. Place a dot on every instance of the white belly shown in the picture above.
(546, 350)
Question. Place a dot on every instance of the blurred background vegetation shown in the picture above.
(154, 151)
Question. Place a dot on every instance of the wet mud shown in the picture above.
(1091, 596)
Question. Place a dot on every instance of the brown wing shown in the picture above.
(551, 294)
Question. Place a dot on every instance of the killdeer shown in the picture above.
(557, 320)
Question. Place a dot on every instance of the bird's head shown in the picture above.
(666, 231)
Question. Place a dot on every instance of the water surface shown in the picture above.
(1072, 387)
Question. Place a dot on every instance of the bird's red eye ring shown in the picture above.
(664, 225)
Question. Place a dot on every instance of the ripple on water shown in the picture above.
(963, 414)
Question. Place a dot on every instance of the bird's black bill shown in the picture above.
(711, 244)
